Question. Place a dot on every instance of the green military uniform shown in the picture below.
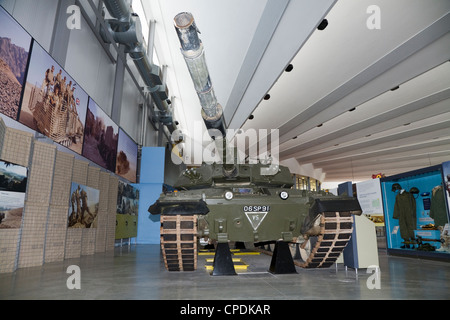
(438, 210)
(405, 212)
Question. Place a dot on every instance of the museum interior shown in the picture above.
(195, 150)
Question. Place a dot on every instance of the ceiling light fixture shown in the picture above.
(322, 25)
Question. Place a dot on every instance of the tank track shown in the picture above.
(335, 232)
(327, 245)
(179, 242)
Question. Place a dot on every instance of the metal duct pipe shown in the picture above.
(127, 30)
(194, 55)
(118, 10)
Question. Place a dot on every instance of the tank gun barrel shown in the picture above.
(212, 112)
(194, 55)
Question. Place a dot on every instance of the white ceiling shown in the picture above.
(249, 43)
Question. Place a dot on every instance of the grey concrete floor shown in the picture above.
(136, 272)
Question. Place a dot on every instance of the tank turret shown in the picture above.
(228, 201)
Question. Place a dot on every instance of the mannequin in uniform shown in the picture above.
(438, 209)
(405, 212)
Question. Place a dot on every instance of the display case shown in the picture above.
(417, 213)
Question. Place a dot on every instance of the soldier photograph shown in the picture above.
(53, 103)
(83, 207)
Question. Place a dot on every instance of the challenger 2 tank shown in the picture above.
(227, 201)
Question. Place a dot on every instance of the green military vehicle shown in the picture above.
(227, 202)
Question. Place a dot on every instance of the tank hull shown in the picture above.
(253, 215)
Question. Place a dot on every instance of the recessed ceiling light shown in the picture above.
(323, 24)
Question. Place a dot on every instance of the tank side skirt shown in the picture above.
(335, 232)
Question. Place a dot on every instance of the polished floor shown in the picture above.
(136, 272)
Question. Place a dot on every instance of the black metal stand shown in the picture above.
(282, 261)
(223, 262)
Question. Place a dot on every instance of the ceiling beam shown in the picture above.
(426, 132)
(294, 29)
(349, 95)
(389, 155)
(271, 16)
(376, 124)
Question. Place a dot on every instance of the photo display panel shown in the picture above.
(53, 103)
(100, 138)
(127, 199)
(127, 211)
(15, 45)
(126, 162)
(83, 206)
(13, 184)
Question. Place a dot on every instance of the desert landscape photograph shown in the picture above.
(14, 51)
(126, 161)
(100, 139)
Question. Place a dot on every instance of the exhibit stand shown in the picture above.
(417, 212)
(362, 249)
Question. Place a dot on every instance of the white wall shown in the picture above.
(37, 17)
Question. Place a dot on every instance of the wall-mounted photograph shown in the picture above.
(100, 138)
(127, 199)
(127, 211)
(83, 206)
(126, 161)
(13, 184)
(53, 103)
(14, 51)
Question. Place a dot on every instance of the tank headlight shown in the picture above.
(228, 195)
(284, 195)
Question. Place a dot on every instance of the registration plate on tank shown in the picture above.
(256, 208)
(256, 214)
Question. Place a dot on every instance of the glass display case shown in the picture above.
(417, 213)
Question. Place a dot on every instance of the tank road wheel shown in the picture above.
(179, 242)
(323, 249)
